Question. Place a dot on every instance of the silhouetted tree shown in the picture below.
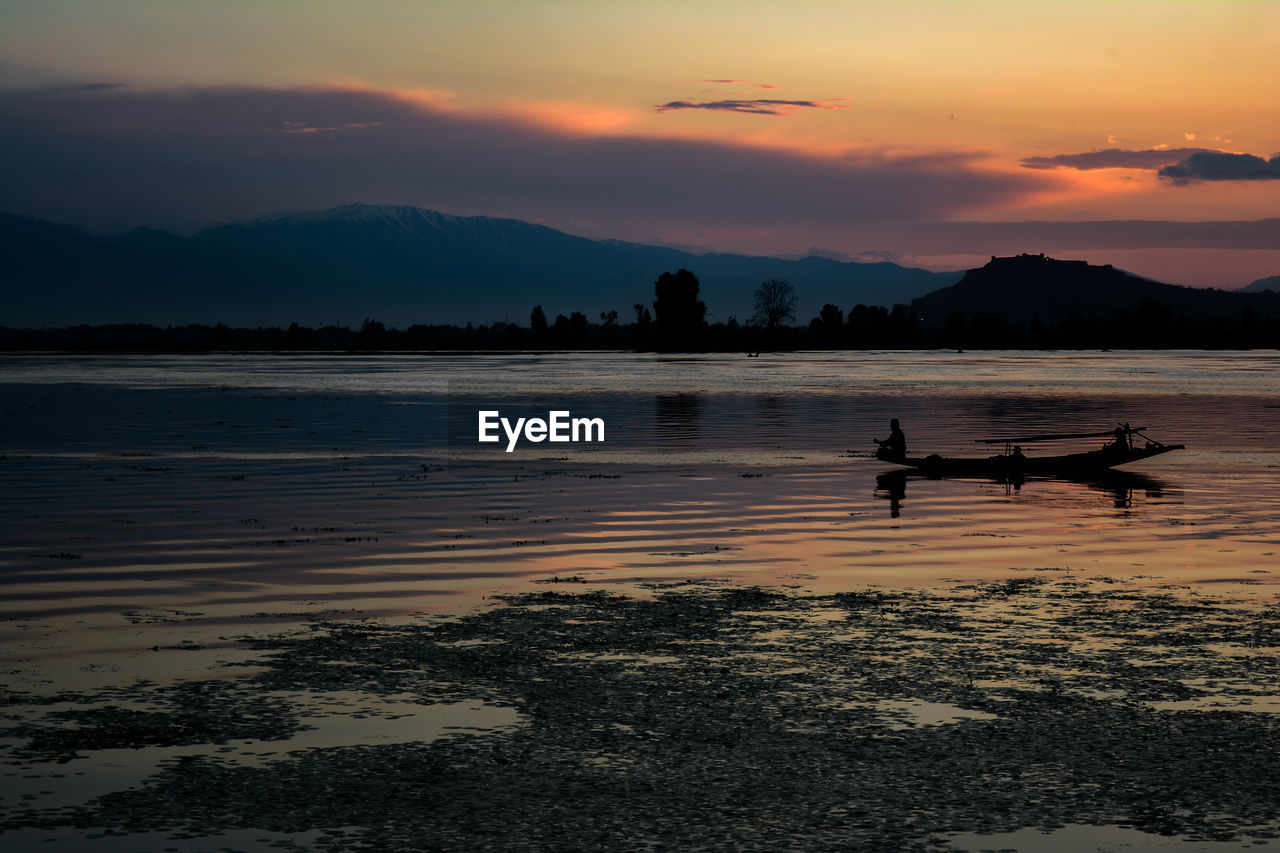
(955, 332)
(371, 334)
(679, 311)
(537, 320)
(868, 325)
(727, 336)
(775, 303)
(828, 326)
(298, 337)
(903, 327)
(577, 328)
(1152, 324)
(640, 328)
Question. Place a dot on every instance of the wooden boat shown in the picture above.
(1121, 450)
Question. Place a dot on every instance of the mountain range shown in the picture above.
(398, 264)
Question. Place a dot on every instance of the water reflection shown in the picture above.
(776, 420)
(892, 485)
(676, 417)
(1120, 487)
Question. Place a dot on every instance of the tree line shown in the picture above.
(677, 323)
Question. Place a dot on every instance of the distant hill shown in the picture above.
(398, 264)
(1271, 283)
(1021, 287)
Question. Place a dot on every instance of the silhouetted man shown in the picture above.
(893, 448)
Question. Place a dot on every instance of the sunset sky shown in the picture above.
(1142, 134)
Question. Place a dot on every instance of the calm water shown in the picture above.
(158, 500)
(154, 509)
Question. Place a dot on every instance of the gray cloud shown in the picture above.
(100, 87)
(1222, 166)
(118, 158)
(757, 106)
(1113, 158)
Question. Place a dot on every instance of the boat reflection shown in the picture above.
(1120, 487)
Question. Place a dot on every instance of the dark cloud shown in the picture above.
(1114, 158)
(119, 158)
(758, 106)
(99, 87)
(1222, 166)
(744, 83)
(1049, 236)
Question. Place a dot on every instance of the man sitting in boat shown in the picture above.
(893, 448)
(1120, 445)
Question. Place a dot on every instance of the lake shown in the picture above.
(158, 510)
(225, 483)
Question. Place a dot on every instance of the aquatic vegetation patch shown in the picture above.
(183, 714)
(732, 718)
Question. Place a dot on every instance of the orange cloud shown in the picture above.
(560, 116)
(574, 118)
(1071, 187)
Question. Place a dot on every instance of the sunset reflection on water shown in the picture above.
(207, 491)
